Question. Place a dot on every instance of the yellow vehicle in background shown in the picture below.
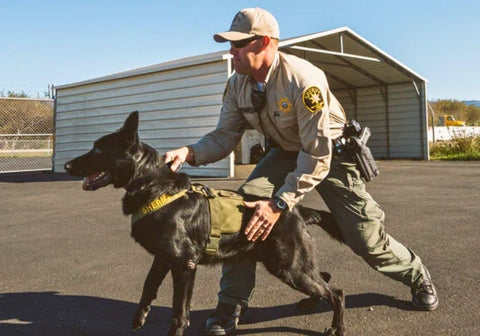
(449, 120)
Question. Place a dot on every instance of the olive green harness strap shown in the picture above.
(226, 210)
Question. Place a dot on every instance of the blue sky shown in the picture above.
(59, 42)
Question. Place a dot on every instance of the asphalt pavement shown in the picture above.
(69, 267)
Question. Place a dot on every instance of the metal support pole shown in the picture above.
(387, 116)
(432, 112)
(341, 43)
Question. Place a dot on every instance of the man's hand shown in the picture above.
(178, 157)
(262, 222)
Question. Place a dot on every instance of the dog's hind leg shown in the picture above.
(337, 301)
(154, 279)
(318, 289)
(310, 303)
(301, 273)
(183, 280)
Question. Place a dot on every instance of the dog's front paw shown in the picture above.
(140, 317)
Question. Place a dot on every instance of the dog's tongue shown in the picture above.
(96, 181)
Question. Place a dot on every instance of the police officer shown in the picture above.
(288, 100)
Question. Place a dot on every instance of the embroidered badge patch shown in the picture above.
(312, 99)
(284, 105)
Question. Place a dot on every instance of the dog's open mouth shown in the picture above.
(95, 181)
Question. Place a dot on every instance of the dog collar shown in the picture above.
(156, 204)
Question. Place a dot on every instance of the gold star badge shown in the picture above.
(312, 99)
(284, 105)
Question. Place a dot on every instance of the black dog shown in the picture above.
(177, 233)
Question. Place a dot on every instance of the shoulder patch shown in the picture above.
(312, 99)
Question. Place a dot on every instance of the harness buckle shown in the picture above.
(208, 191)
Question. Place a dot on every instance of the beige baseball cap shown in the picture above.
(250, 22)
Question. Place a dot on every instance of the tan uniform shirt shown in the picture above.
(300, 114)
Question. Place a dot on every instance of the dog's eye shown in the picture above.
(96, 150)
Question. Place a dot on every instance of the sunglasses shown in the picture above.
(243, 43)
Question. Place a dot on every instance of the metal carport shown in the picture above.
(179, 101)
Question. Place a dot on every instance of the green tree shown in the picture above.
(12, 94)
(25, 116)
(461, 111)
(23, 94)
(473, 115)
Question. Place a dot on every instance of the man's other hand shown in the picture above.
(262, 221)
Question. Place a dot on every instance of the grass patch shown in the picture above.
(457, 149)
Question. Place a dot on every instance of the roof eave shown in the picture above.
(182, 62)
(382, 54)
(224, 55)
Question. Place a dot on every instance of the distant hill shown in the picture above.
(472, 102)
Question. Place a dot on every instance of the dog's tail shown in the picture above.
(323, 219)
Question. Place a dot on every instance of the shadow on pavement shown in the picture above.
(50, 313)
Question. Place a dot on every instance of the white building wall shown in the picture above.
(177, 107)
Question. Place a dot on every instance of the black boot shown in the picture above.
(424, 295)
(224, 320)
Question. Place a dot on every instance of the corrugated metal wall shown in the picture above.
(397, 126)
(177, 107)
(406, 122)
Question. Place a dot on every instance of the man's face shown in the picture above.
(246, 58)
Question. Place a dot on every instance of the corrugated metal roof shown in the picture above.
(175, 64)
(348, 60)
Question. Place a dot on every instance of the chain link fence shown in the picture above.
(26, 134)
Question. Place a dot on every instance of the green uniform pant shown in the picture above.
(359, 216)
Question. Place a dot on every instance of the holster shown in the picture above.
(354, 142)
(363, 157)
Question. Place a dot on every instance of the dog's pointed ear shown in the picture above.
(130, 127)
